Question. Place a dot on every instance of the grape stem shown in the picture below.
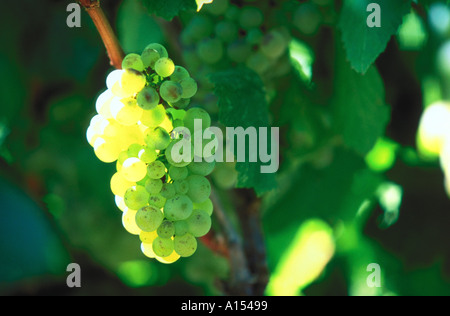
(113, 48)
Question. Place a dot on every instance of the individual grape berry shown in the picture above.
(251, 17)
(177, 156)
(147, 250)
(178, 208)
(206, 206)
(129, 222)
(199, 223)
(179, 74)
(273, 45)
(189, 87)
(157, 200)
(149, 57)
(181, 228)
(163, 247)
(154, 117)
(239, 51)
(153, 186)
(106, 150)
(185, 245)
(132, 81)
(307, 18)
(136, 197)
(148, 98)
(133, 151)
(164, 67)
(133, 61)
(149, 218)
(196, 114)
(181, 186)
(199, 188)
(170, 259)
(254, 36)
(157, 138)
(166, 229)
(227, 31)
(168, 191)
(200, 27)
(210, 50)
(126, 111)
(218, 7)
(162, 51)
(171, 91)
(176, 173)
(148, 237)
(156, 170)
(202, 168)
(119, 185)
(134, 170)
(147, 154)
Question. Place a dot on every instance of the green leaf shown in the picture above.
(359, 106)
(363, 43)
(242, 103)
(168, 9)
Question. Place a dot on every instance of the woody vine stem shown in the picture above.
(247, 258)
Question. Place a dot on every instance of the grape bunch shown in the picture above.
(224, 34)
(434, 136)
(164, 201)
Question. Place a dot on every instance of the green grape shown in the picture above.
(186, 158)
(149, 57)
(120, 185)
(189, 87)
(225, 175)
(163, 247)
(239, 51)
(148, 98)
(136, 197)
(199, 223)
(181, 186)
(171, 91)
(251, 17)
(254, 36)
(103, 104)
(199, 188)
(149, 218)
(132, 81)
(179, 74)
(232, 13)
(185, 245)
(168, 191)
(166, 229)
(202, 168)
(181, 104)
(147, 154)
(164, 67)
(178, 208)
(181, 228)
(218, 7)
(157, 138)
(210, 50)
(176, 173)
(148, 237)
(227, 31)
(126, 111)
(206, 206)
(133, 151)
(129, 222)
(307, 18)
(162, 51)
(200, 27)
(157, 200)
(156, 170)
(134, 170)
(154, 117)
(196, 114)
(273, 45)
(121, 159)
(259, 62)
(133, 61)
(113, 78)
(153, 186)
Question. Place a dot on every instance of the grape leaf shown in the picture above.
(168, 9)
(242, 103)
(363, 43)
(359, 107)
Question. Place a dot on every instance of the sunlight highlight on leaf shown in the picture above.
(200, 3)
(304, 260)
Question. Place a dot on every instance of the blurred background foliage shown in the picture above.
(336, 209)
